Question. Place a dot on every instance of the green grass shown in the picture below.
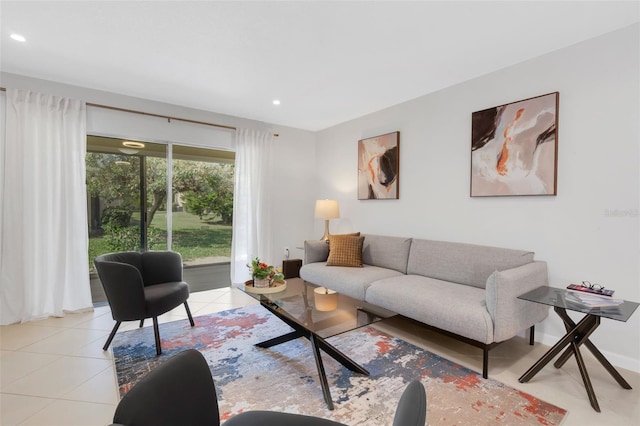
(192, 238)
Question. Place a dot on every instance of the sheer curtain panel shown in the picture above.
(44, 268)
(251, 205)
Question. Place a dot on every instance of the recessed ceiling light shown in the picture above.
(276, 101)
(123, 163)
(18, 37)
(128, 151)
(130, 144)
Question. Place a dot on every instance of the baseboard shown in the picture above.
(615, 359)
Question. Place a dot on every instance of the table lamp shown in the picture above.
(326, 299)
(327, 209)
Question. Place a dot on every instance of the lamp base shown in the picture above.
(325, 237)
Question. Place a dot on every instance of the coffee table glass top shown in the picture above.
(556, 297)
(300, 303)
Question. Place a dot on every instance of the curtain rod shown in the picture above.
(169, 118)
(3, 89)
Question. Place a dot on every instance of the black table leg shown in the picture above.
(320, 367)
(570, 325)
(281, 339)
(577, 335)
(317, 343)
(585, 324)
(605, 363)
(339, 356)
(585, 376)
(596, 353)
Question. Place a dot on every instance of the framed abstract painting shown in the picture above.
(514, 148)
(379, 167)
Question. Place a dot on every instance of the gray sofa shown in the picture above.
(464, 290)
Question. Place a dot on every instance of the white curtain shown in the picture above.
(251, 206)
(44, 267)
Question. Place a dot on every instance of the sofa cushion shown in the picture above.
(350, 281)
(461, 263)
(315, 251)
(386, 252)
(456, 308)
(345, 250)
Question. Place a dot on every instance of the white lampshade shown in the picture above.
(327, 209)
(326, 300)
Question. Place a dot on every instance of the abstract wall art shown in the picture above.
(379, 167)
(514, 148)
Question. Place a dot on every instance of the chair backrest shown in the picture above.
(132, 258)
(178, 392)
(161, 267)
(122, 281)
(155, 266)
(412, 407)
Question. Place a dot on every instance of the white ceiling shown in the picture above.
(328, 62)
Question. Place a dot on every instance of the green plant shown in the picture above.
(122, 238)
(115, 216)
(261, 270)
(127, 238)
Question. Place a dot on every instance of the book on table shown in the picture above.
(587, 290)
(591, 301)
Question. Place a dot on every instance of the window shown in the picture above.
(128, 205)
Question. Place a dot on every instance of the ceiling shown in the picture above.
(327, 62)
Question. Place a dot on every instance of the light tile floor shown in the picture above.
(54, 372)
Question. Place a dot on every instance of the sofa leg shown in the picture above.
(141, 322)
(156, 332)
(532, 332)
(485, 361)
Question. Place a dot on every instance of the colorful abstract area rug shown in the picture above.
(284, 377)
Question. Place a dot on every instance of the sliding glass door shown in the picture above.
(202, 204)
(129, 206)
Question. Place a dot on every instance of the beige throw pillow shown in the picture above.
(353, 234)
(345, 250)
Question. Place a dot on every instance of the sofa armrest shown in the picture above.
(315, 251)
(511, 315)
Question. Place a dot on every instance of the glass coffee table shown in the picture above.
(577, 335)
(316, 316)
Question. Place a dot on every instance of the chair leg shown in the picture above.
(156, 332)
(113, 333)
(186, 306)
(141, 322)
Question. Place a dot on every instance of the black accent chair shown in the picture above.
(181, 392)
(142, 285)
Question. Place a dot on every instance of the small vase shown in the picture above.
(261, 282)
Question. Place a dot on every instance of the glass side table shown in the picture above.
(577, 335)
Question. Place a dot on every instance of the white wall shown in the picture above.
(293, 176)
(589, 231)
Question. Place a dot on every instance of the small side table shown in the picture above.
(577, 335)
(291, 268)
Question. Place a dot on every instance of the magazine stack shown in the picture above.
(591, 298)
